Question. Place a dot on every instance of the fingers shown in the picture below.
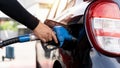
(50, 37)
(54, 37)
(46, 38)
(44, 33)
(43, 40)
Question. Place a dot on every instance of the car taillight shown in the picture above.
(102, 24)
(107, 33)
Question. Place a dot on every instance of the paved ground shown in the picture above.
(24, 56)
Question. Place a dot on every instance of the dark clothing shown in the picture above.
(13, 9)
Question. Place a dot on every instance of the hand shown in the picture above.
(44, 33)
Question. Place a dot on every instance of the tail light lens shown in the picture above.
(102, 22)
(107, 33)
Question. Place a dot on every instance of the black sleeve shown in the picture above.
(14, 9)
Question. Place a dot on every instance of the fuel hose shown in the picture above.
(23, 38)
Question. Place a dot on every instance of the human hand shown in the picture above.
(44, 33)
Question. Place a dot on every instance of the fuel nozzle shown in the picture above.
(63, 35)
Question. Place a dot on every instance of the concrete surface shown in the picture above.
(25, 56)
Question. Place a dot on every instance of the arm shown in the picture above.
(13, 9)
